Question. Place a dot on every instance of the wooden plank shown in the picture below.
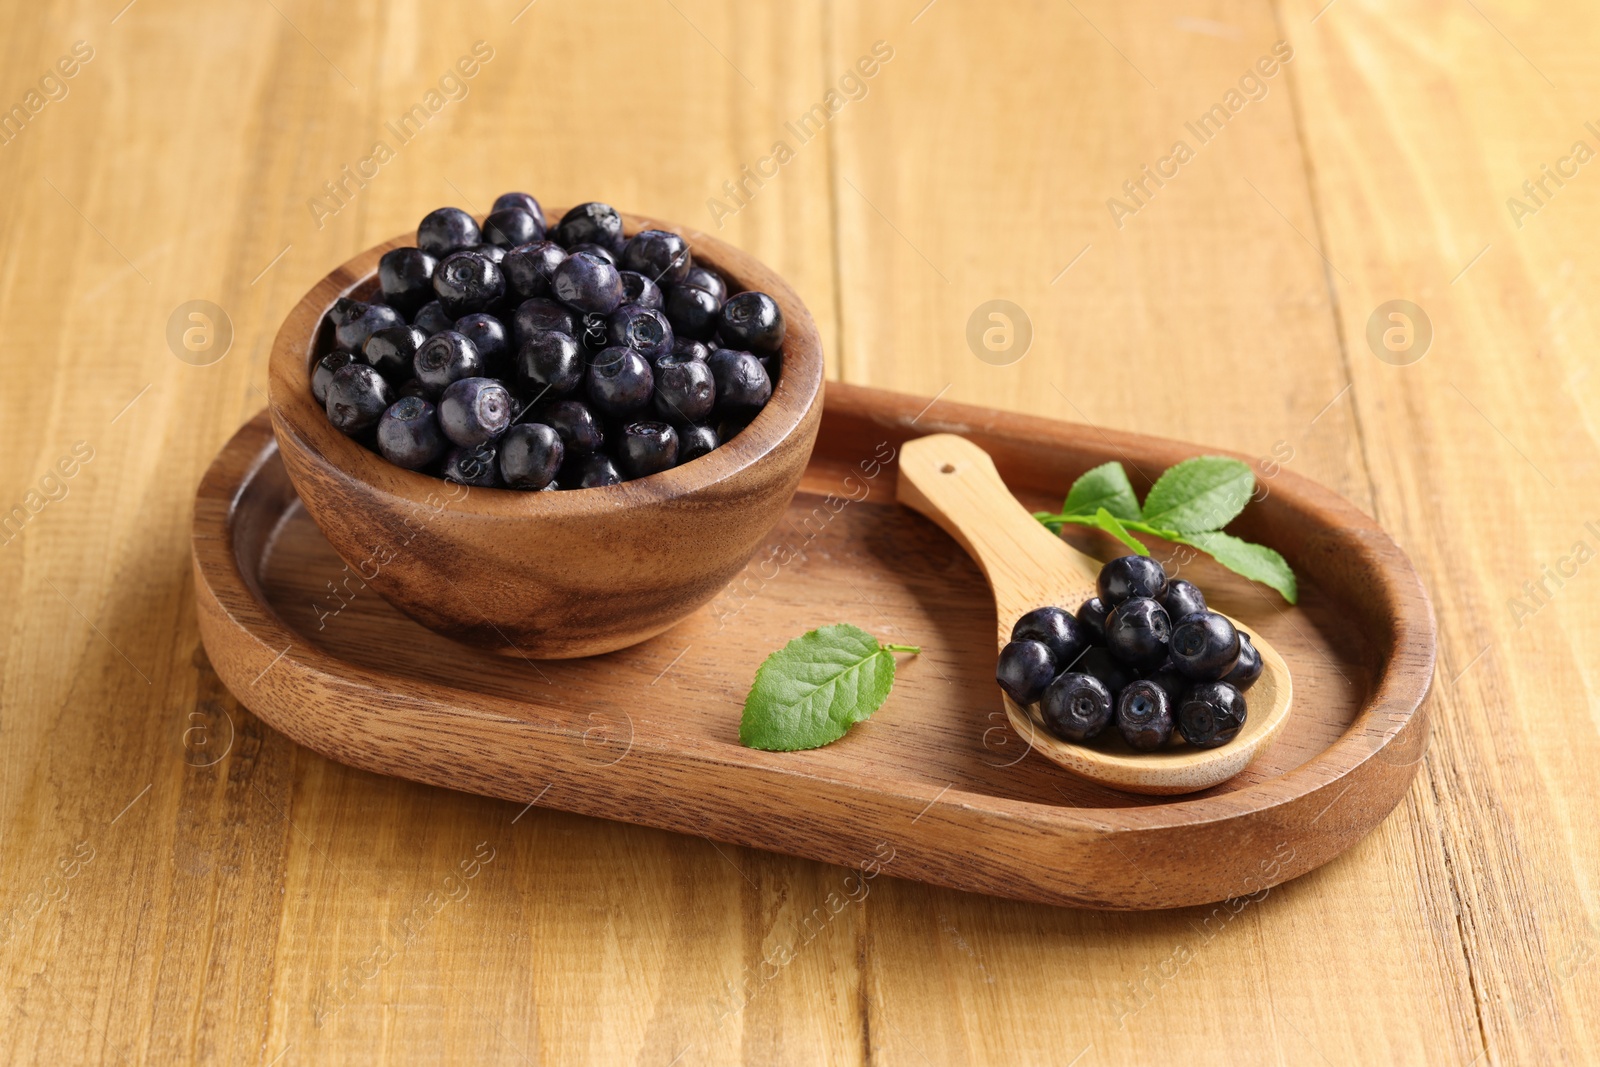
(1210, 313)
(216, 912)
(204, 913)
(1419, 150)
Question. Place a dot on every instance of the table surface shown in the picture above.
(159, 907)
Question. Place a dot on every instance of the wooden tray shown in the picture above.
(936, 786)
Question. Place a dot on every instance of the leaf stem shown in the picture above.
(1055, 522)
(913, 649)
(1198, 497)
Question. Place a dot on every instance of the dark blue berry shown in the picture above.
(408, 434)
(357, 398)
(445, 357)
(694, 442)
(524, 201)
(411, 387)
(493, 253)
(642, 329)
(1248, 666)
(591, 223)
(577, 424)
(540, 313)
(752, 321)
(731, 426)
(703, 277)
(326, 368)
(1097, 661)
(585, 282)
(477, 466)
(1131, 576)
(468, 281)
(637, 289)
(432, 317)
(1174, 683)
(1092, 617)
(1182, 599)
(1138, 632)
(1205, 647)
(659, 255)
(1144, 715)
(549, 365)
(692, 312)
(743, 387)
(345, 309)
(685, 390)
(647, 448)
(620, 382)
(530, 455)
(1212, 714)
(488, 335)
(1024, 669)
(528, 268)
(689, 348)
(1055, 629)
(591, 332)
(447, 230)
(474, 411)
(351, 335)
(511, 226)
(598, 251)
(1075, 706)
(390, 350)
(406, 277)
(590, 471)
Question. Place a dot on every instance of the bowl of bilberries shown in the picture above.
(547, 435)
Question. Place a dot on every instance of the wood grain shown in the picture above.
(952, 481)
(221, 905)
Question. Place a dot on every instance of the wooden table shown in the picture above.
(180, 883)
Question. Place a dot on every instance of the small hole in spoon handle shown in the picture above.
(954, 482)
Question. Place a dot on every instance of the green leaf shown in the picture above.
(812, 690)
(1256, 562)
(1110, 524)
(1200, 494)
(1187, 505)
(1106, 486)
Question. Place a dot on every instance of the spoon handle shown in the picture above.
(954, 482)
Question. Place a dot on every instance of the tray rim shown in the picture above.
(1395, 712)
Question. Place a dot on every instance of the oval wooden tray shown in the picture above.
(936, 786)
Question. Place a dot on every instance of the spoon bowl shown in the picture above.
(954, 482)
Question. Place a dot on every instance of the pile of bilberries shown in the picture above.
(520, 356)
(1145, 652)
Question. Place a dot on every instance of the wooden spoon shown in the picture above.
(954, 482)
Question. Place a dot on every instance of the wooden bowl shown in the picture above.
(547, 575)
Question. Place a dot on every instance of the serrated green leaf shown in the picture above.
(1111, 525)
(1256, 562)
(1106, 486)
(1187, 505)
(1200, 494)
(812, 690)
